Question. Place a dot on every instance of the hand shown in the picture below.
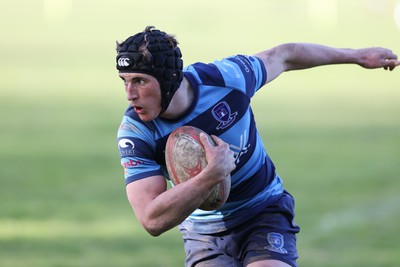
(220, 157)
(377, 57)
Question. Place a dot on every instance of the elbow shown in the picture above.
(154, 229)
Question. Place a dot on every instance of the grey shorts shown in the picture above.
(271, 235)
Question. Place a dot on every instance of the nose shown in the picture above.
(131, 92)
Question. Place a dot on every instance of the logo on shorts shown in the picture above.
(276, 243)
(222, 113)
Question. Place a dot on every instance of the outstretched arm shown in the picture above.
(296, 56)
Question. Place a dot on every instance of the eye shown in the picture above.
(140, 81)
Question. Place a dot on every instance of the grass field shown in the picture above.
(333, 132)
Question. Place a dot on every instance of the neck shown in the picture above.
(180, 102)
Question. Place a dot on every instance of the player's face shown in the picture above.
(144, 93)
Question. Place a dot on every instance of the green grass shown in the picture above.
(332, 132)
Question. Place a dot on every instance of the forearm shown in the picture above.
(305, 55)
(173, 206)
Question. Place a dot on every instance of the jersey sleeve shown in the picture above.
(246, 73)
(137, 150)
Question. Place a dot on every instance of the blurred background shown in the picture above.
(333, 132)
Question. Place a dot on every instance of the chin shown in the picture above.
(147, 117)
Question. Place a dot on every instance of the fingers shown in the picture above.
(218, 141)
(219, 152)
(378, 57)
(394, 64)
(390, 61)
(205, 141)
(391, 64)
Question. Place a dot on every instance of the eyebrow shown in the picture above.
(122, 75)
(132, 79)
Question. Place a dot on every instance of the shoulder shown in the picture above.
(132, 124)
(246, 63)
(137, 132)
(227, 71)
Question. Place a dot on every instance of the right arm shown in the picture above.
(158, 209)
(297, 56)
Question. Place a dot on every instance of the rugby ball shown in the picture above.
(185, 158)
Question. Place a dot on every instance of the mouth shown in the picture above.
(138, 110)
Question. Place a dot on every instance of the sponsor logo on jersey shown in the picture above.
(233, 68)
(132, 163)
(242, 148)
(276, 243)
(245, 62)
(129, 127)
(126, 147)
(222, 113)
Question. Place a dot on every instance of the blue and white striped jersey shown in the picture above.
(221, 106)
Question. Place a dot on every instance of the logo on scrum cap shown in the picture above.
(124, 61)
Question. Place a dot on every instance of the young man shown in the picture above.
(255, 227)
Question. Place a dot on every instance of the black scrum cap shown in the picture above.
(155, 53)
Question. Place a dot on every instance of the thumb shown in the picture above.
(205, 140)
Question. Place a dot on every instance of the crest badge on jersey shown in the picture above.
(276, 243)
(222, 113)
